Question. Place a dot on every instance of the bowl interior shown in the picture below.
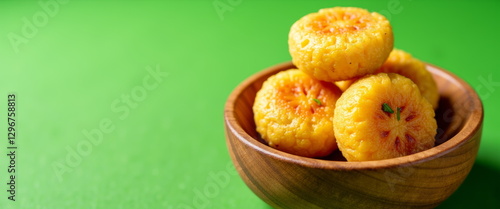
(457, 105)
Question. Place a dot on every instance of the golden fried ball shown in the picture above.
(340, 43)
(293, 113)
(383, 116)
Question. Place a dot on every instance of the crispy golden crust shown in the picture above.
(340, 43)
(293, 113)
(364, 131)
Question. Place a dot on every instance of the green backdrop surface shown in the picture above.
(119, 104)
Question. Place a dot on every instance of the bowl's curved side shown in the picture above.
(421, 181)
(286, 185)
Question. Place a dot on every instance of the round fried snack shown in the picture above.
(340, 43)
(383, 116)
(403, 63)
(294, 113)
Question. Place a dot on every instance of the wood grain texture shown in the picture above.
(421, 180)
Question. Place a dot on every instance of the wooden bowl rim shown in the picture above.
(472, 124)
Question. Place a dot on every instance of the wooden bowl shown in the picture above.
(420, 180)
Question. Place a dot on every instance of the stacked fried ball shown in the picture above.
(351, 91)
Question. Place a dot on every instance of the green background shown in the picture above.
(83, 67)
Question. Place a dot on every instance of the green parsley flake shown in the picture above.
(317, 101)
(387, 108)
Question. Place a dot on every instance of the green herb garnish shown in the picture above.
(387, 108)
(317, 101)
(398, 113)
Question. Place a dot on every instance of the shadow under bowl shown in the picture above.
(420, 180)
